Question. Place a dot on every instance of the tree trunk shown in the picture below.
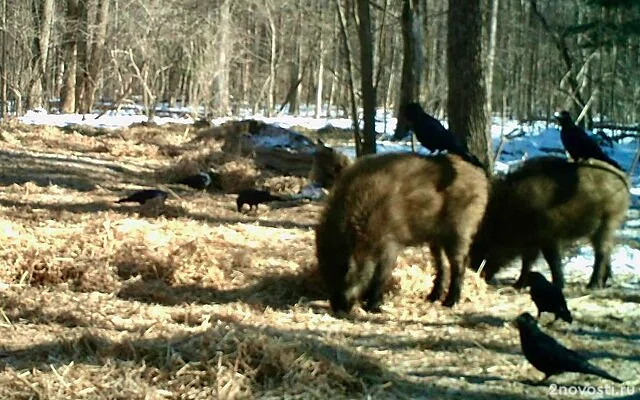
(412, 60)
(222, 77)
(3, 70)
(254, 72)
(333, 82)
(319, 86)
(491, 59)
(368, 90)
(43, 18)
(436, 65)
(70, 49)
(466, 103)
(295, 74)
(82, 39)
(293, 97)
(350, 79)
(272, 65)
(45, 39)
(97, 56)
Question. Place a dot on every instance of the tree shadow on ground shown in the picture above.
(474, 320)
(168, 211)
(279, 291)
(81, 174)
(263, 357)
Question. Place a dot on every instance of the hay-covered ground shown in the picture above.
(197, 301)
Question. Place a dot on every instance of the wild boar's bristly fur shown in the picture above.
(327, 165)
(546, 203)
(383, 203)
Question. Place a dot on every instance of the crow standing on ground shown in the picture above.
(578, 143)
(432, 134)
(199, 181)
(253, 197)
(548, 297)
(142, 196)
(549, 356)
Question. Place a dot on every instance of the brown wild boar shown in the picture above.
(548, 202)
(383, 203)
(327, 165)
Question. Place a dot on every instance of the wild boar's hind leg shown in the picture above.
(551, 254)
(456, 251)
(602, 242)
(438, 262)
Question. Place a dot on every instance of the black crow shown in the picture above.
(548, 297)
(578, 143)
(199, 181)
(432, 134)
(253, 197)
(549, 356)
(142, 196)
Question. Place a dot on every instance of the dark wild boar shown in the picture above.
(548, 202)
(386, 202)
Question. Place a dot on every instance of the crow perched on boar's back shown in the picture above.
(548, 297)
(253, 197)
(549, 356)
(578, 143)
(142, 196)
(385, 202)
(432, 134)
(546, 203)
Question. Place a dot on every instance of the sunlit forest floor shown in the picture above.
(195, 300)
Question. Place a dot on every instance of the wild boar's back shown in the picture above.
(550, 198)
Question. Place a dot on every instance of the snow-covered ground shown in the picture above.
(523, 142)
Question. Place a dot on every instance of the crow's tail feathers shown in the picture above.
(593, 370)
(470, 158)
(565, 315)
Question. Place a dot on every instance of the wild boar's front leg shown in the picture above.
(551, 253)
(374, 293)
(529, 256)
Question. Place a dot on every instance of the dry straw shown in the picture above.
(193, 300)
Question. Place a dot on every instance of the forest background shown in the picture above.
(463, 60)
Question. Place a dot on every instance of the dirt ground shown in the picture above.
(197, 301)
